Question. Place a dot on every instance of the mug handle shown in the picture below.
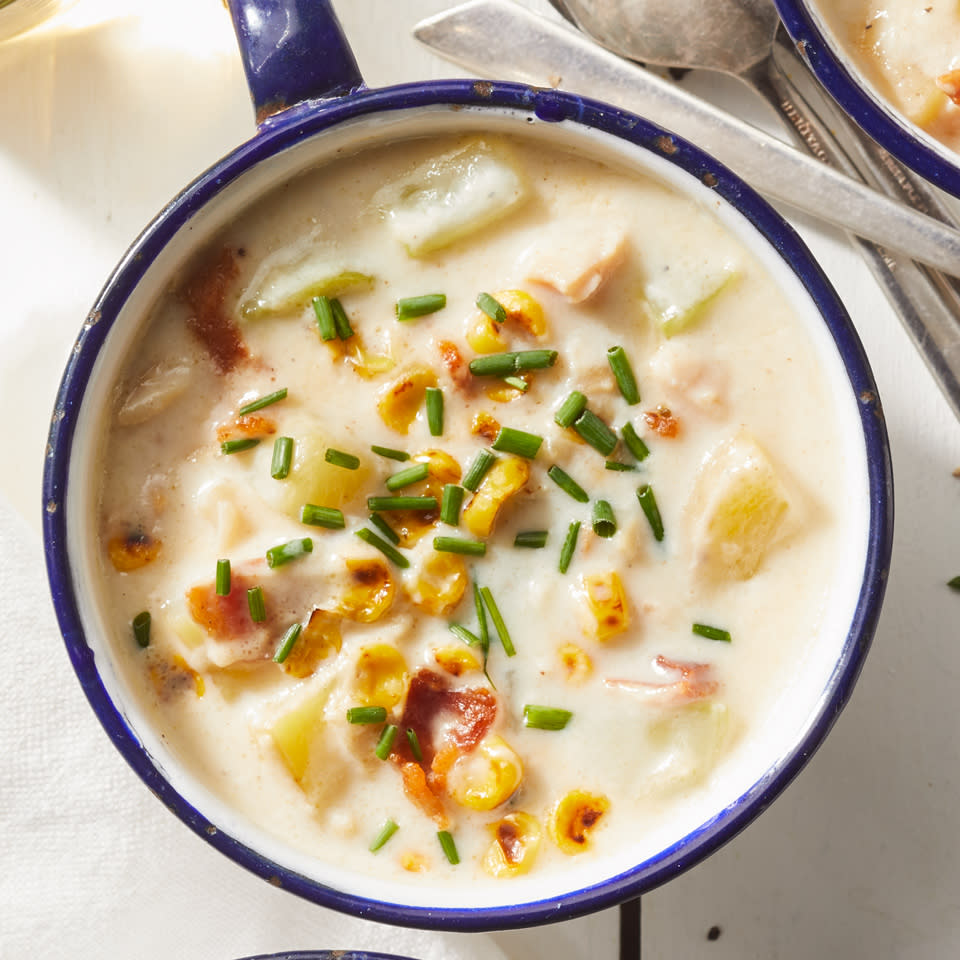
(292, 50)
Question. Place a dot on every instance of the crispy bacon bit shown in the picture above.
(133, 551)
(420, 795)
(209, 321)
(949, 83)
(485, 426)
(662, 421)
(695, 683)
(223, 618)
(251, 425)
(455, 364)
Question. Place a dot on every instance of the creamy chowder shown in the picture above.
(623, 505)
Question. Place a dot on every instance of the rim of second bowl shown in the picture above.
(904, 140)
(549, 106)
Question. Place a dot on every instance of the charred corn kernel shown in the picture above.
(505, 393)
(456, 660)
(516, 841)
(364, 363)
(486, 426)
(400, 400)
(412, 525)
(133, 551)
(414, 862)
(483, 334)
(606, 603)
(319, 639)
(523, 310)
(487, 776)
(443, 468)
(441, 583)
(576, 663)
(504, 479)
(380, 677)
(574, 819)
(293, 732)
(173, 676)
(370, 589)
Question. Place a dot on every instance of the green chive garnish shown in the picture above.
(505, 364)
(326, 323)
(285, 552)
(329, 517)
(282, 458)
(340, 459)
(386, 741)
(238, 446)
(344, 330)
(497, 619)
(570, 409)
(449, 847)
(141, 628)
(287, 643)
(482, 621)
(617, 465)
(467, 636)
(569, 545)
(492, 307)
(450, 504)
(520, 442)
(471, 548)
(531, 538)
(401, 503)
(518, 383)
(434, 401)
(390, 552)
(390, 453)
(604, 522)
(255, 405)
(545, 718)
(623, 374)
(954, 584)
(634, 444)
(366, 714)
(649, 503)
(255, 604)
(385, 528)
(386, 832)
(478, 469)
(223, 578)
(711, 633)
(414, 742)
(567, 484)
(408, 475)
(409, 308)
(595, 432)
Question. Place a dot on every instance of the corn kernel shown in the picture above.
(370, 591)
(483, 334)
(170, 677)
(318, 640)
(505, 393)
(456, 660)
(414, 862)
(515, 845)
(576, 663)
(574, 818)
(504, 479)
(487, 776)
(401, 400)
(133, 551)
(486, 426)
(380, 678)
(441, 584)
(523, 310)
(412, 525)
(607, 604)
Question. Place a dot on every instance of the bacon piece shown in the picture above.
(209, 321)
(662, 421)
(224, 618)
(420, 795)
(694, 683)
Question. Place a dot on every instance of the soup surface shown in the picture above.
(623, 492)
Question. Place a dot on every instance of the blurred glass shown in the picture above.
(18, 16)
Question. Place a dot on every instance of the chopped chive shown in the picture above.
(711, 633)
(401, 503)
(531, 538)
(255, 604)
(497, 619)
(238, 446)
(385, 528)
(366, 714)
(518, 383)
(954, 584)
(141, 628)
(515, 361)
(467, 636)
(409, 308)
(386, 832)
(545, 718)
(386, 741)
(223, 578)
(408, 475)
(390, 552)
(285, 552)
(570, 409)
(478, 469)
(604, 522)
(450, 504)
(634, 443)
(595, 432)
(270, 398)
(449, 847)
(482, 621)
(287, 642)
(617, 465)
(519, 442)
(623, 374)
(472, 548)
(534, 360)
(492, 307)
(434, 401)
(329, 517)
(344, 330)
(340, 459)
(282, 458)
(326, 323)
(649, 503)
(567, 484)
(390, 453)
(569, 545)
(414, 742)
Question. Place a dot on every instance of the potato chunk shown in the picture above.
(503, 480)
(680, 297)
(293, 733)
(578, 266)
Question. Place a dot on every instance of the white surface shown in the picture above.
(103, 116)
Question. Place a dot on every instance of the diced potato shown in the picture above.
(486, 776)
(574, 819)
(606, 605)
(523, 310)
(516, 841)
(451, 197)
(370, 589)
(689, 741)
(190, 632)
(154, 391)
(133, 551)
(503, 480)
(576, 662)
(292, 286)
(319, 639)
(294, 732)
(380, 677)
(484, 335)
(440, 584)
(575, 259)
(401, 399)
(736, 511)
(456, 660)
(680, 296)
